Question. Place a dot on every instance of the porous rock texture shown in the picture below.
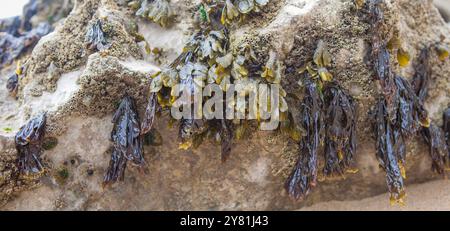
(81, 88)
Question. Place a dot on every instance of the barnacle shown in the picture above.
(126, 136)
(95, 38)
(390, 146)
(435, 138)
(29, 146)
(157, 11)
(304, 174)
(340, 130)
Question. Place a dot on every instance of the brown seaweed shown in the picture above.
(446, 126)
(95, 38)
(388, 144)
(340, 130)
(189, 129)
(158, 11)
(11, 25)
(410, 112)
(226, 138)
(433, 135)
(12, 47)
(29, 146)
(392, 129)
(380, 54)
(150, 113)
(12, 84)
(304, 174)
(127, 141)
(422, 74)
(29, 10)
(435, 138)
(19, 24)
(399, 114)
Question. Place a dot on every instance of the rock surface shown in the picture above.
(422, 197)
(81, 88)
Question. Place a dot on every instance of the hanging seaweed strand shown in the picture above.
(340, 130)
(127, 140)
(433, 135)
(304, 174)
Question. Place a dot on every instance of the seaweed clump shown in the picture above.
(340, 130)
(12, 84)
(157, 11)
(29, 146)
(447, 127)
(304, 174)
(328, 116)
(433, 135)
(208, 58)
(127, 141)
(150, 113)
(13, 46)
(95, 37)
(17, 36)
(390, 149)
(435, 138)
(399, 113)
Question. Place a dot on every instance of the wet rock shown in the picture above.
(91, 83)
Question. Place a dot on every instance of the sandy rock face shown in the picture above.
(80, 88)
